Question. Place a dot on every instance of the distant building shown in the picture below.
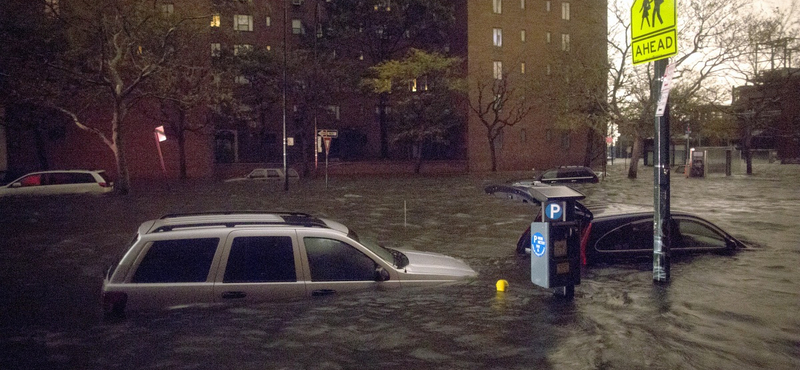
(770, 109)
(546, 48)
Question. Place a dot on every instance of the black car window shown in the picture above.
(177, 261)
(332, 260)
(694, 234)
(550, 175)
(255, 259)
(631, 236)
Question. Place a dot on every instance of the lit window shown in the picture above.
(241, 80)
(385, 5)
(522, 4)
(51, 7)
(498, 70)
(167, 9)
(547, 5)
(565, 11)
(269, 21)
(498, 36)
(216, 49)
(334, 110)
(297, 27)
(497, 6)
(547, 37)
(243, 22)
(522, 68)
(522, 35)
(215, 20)
(565, 42)
(548, 71)
(242, 49)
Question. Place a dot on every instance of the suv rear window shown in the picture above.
(177, 261)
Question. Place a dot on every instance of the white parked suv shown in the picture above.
(257, 257)
(59, 182)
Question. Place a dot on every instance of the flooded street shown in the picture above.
(717, 312)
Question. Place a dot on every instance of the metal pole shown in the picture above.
(662, 218)
(285, 169)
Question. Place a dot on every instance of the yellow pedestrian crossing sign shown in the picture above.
(654, 33)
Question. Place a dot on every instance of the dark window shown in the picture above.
(550, 175)
(63, 178)
(633, 236)
(177, 261)
(693, 234)
(260, 259)
(332, 260)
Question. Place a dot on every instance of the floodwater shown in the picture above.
(717, 312)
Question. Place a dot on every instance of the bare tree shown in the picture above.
(764, 64)
(113, 49)
(706, 46)
(498, 103)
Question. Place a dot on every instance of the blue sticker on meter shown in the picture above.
(538, 244)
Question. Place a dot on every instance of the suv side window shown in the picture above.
(177, 261)
(255, 259)
(332, 260)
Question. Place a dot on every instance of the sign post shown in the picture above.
(161, 136)
(654, 37)
(327, 136)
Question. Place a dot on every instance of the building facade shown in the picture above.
(551, 54)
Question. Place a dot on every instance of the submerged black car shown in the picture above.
(568, 174)
(620, 232)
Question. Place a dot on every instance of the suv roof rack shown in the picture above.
(172, 221)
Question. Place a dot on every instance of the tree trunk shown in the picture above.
(383, 101)
(122, 185)
(182, 142)
(493, 152)
(746, 150)
(636, 154)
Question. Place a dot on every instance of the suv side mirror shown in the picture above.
(381, 274)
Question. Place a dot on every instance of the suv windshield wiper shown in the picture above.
(400, 259)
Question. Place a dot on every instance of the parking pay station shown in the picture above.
(555, 241)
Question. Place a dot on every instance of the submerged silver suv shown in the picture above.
(256, 257)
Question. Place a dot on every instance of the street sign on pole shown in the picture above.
(328, 133)
(654, 32)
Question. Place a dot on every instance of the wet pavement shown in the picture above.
(717, 312)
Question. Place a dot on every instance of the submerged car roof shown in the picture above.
(237, 218)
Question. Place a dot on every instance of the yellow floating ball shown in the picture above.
(502, 285)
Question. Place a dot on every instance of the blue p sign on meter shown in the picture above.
(554, 211)
(538, 244)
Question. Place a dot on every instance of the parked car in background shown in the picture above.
(59, 182)
(267, 174)
(615, 232)
(256, 257)
(568, 174)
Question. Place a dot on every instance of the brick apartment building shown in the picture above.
(547, 48)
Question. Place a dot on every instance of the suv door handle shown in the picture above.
(322, 292)
(233, 295)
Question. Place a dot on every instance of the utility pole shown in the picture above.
(285, 45)
(662, 218)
